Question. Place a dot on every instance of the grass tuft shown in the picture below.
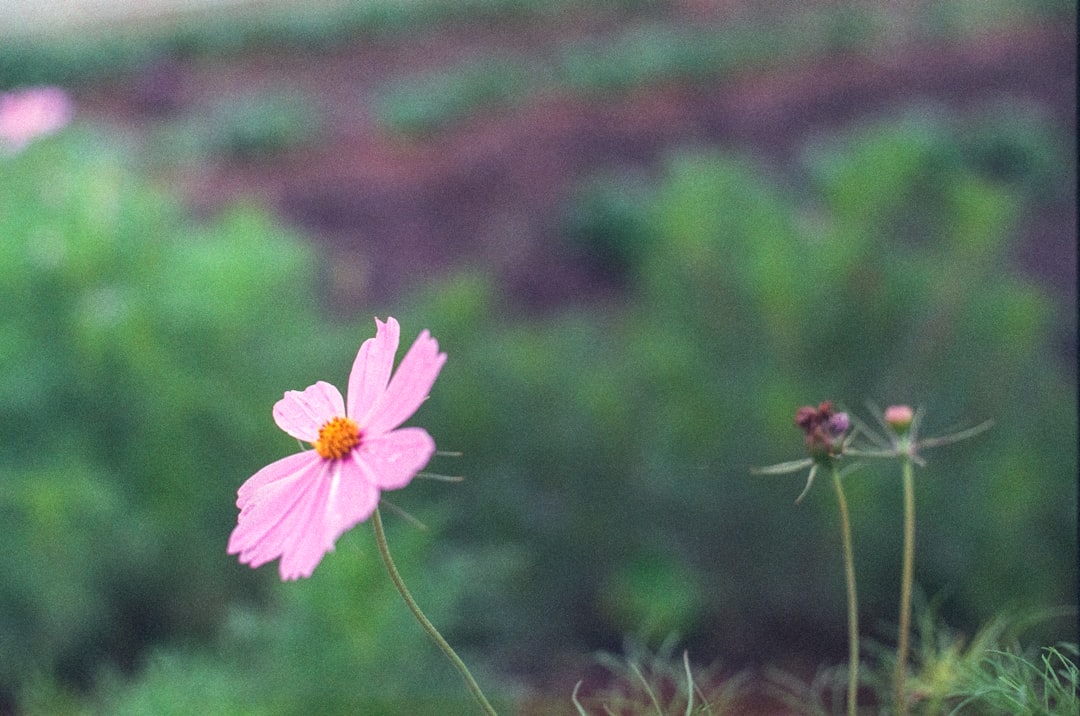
(644, 683)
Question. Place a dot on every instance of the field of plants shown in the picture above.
(644, 233)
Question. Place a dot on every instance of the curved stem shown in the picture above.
(852, 598)
(384, 550)
(906, 579)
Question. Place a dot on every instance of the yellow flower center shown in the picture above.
(337, 438)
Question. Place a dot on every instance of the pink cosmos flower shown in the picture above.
(30, 113)
(297, 507)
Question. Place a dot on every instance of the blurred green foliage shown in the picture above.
(656, 48)
(606, 447)
(647, 52)
(605, 221)
(879, 272)
(141, 354)
(140, 363)
(253, 126)
(341, 643)
(433, 101)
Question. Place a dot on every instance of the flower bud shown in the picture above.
(838, 424)
(824, 430)
(899, 417)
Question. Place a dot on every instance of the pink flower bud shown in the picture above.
(899, 417)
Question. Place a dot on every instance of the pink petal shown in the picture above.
(407, 389)
(342, 502)
(301, 414)
(390, 460)
(351, 499)
(296, 508)
(371, 369)
(278, 513)
(280, 470)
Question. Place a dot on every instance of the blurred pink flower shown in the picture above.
(30, 113)
(297, 507)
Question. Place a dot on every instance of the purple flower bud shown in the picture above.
(839, 424)
(824, 430)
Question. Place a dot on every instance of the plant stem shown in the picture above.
(384, 550)
(852, 598)
(906, 579)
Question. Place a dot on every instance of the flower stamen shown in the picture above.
(336, 438)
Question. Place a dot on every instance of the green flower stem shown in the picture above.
(905, 587)
(852, 598)
(384, 550)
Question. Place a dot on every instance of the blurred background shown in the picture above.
(645, 232)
